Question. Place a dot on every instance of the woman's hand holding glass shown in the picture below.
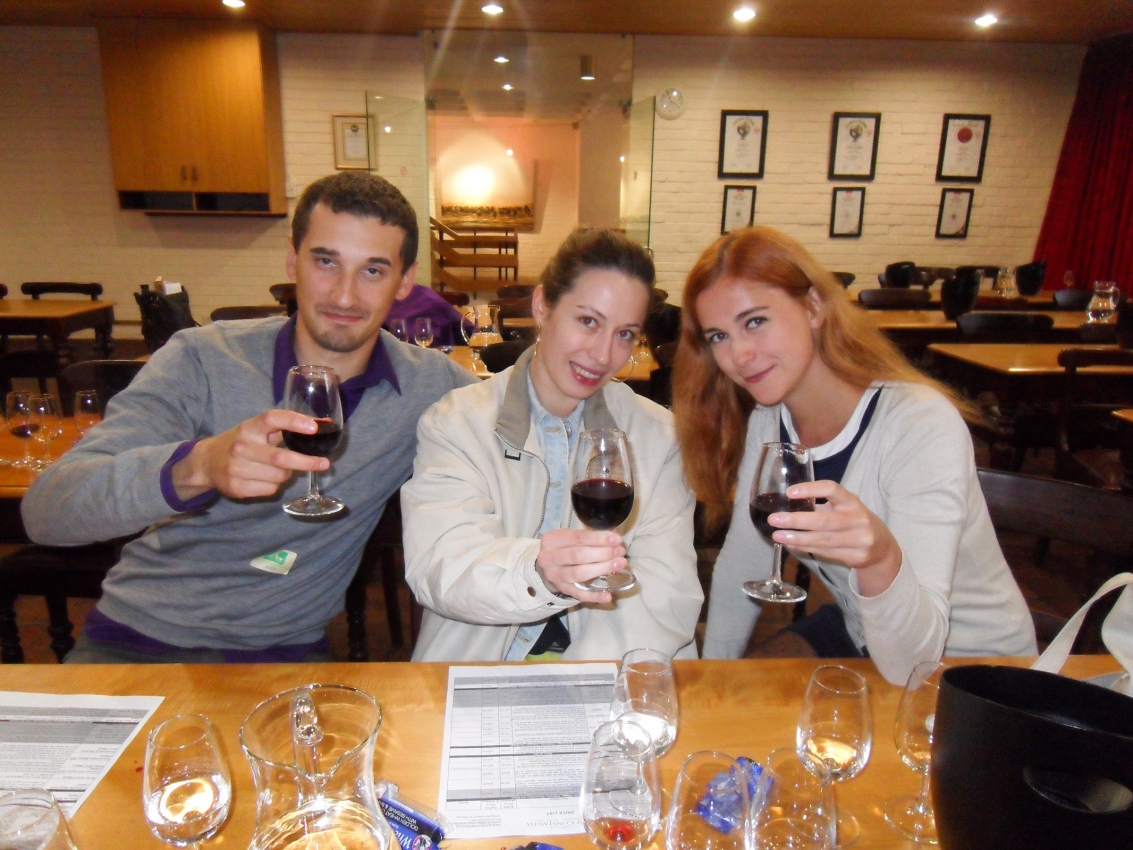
(569, 557)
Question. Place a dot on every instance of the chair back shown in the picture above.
(899, 275)
(1029, 277)
(663, 324)
(36, 363)
(3, 290)
(1005, 327)
(456, 299)
(845, 278)
(284, 293)
(500, 355)
(661, 378)
(163, 316)
(515, 290)
(106, 377)
(1072, 299)
(36, 289)
(227, 314)
(895, 299)
(1098, 333)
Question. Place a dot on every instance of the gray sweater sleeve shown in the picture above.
(109, 485)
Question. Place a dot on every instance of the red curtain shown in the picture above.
(1088, 226)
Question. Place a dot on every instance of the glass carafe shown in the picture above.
(312, 751)
(1104, 303)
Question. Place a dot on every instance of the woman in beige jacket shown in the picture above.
(492, 548)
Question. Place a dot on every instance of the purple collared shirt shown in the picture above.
(422, 302)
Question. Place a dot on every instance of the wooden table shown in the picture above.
(913, 330)
(640, 372)
(15, 482)
(57, 319)
(739, 707)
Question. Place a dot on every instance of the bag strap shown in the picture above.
(1117, 630)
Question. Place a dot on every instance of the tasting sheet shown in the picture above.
(515, 746)
(65, 742)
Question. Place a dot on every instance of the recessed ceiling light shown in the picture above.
(507, 86)
(986, 21)
(502, 60)
(492, 9)
(744, 13)
(234, 4)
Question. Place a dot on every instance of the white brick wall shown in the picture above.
(1028, 89)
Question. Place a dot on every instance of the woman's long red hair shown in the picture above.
(711, 411)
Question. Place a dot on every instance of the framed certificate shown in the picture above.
(853, 145)
(846, 206)
(963, 145)
(743, 142)
(351, 142)
(955, 212)
(739, 208)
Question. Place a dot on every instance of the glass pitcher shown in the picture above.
(1104, 303)
(481, 328)
(312, 751)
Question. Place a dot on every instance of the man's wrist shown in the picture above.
(183, 483)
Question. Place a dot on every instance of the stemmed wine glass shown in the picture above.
(836, 727)
(781, 465)
(397, 328)
(912, 816)
(18, 415)
(186, 790)
(621, 792)
(711, 805)
(47, 414)
(87, 411)
(33, 819)
(423, 331)
(313, 391)
(794, 807)
(602, 493)
(646, 693)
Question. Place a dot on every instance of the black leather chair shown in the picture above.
(38, 363)
(1005, 327)
(899, 275)
(36, 289)
(845, 278)
(500, 355)
(1072, 299)
(163, 316)
(1029, 277)
(515, 290)
(895, 299)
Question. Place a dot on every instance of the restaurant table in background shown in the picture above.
(643, 365)
(15, 482)
(57, 319)
(913, 330)
(738, 707)
(1125, 432)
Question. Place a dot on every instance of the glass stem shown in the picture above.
(313, 486)
(924, 802)
(27, 450)
(777, 564)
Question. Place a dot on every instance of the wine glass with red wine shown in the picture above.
(602, 493)
(781, 465)
(313, 391)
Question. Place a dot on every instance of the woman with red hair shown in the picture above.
(772, 350)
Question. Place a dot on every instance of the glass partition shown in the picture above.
(637, 175)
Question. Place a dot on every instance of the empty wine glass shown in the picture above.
(836, 727)
(423, 331)
(397, 328)
(88, 411)
(602, 493)
(313, 391)
(646, 693)
(32, 820)
(47, 418)
(711, 806)
(18, 414)
(185, 785)
(794, 808)
(621, 792)
(916, 715)
(781, 465)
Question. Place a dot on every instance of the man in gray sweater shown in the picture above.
(192, 453)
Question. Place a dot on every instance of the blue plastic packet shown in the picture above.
(415, 826)
(723, 803)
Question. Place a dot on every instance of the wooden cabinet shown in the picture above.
(194, 114)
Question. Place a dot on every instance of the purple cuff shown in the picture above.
(170, 492)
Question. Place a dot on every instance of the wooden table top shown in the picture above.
(1124, 415)
(15, 482)
(462, 354)
(55, 308)
(1020, 358)
(935, 320)
(738, 707)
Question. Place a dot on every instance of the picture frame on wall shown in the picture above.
(846, 206)
(853, 145)
(739, 208)
(743, 143)
(955, 213)
(963, 147)
(351, 142)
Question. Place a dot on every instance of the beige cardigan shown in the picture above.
(475, 505)
(915, 469)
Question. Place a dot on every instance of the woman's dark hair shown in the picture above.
(594, 248)
(364, 195)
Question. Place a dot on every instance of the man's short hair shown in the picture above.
(364, 195)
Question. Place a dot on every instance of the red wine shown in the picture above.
(766, 504)
(320, 444)
(602, 502)
(24, 431)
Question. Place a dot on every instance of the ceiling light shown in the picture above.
(986, 21)
(744, 14)
(492, 9)
(587, 72)
(509, 151)
(234, 4)
(389, 129)
(507, 86)
(501, 60)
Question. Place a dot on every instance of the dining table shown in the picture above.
(1124, 419)
(643, 365)
(914, 330)
(741, 707)
(57, 319)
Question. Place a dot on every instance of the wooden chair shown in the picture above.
(895, 299)
(36, 289)
(456, 299)
(33, 363)
(106, 377)
(992, 326)
(1087, 447)
(899, 275)
(501, 355)
(284, 293)
(1058, 510)
(845, 278)
(514, 290)
(226, 314)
